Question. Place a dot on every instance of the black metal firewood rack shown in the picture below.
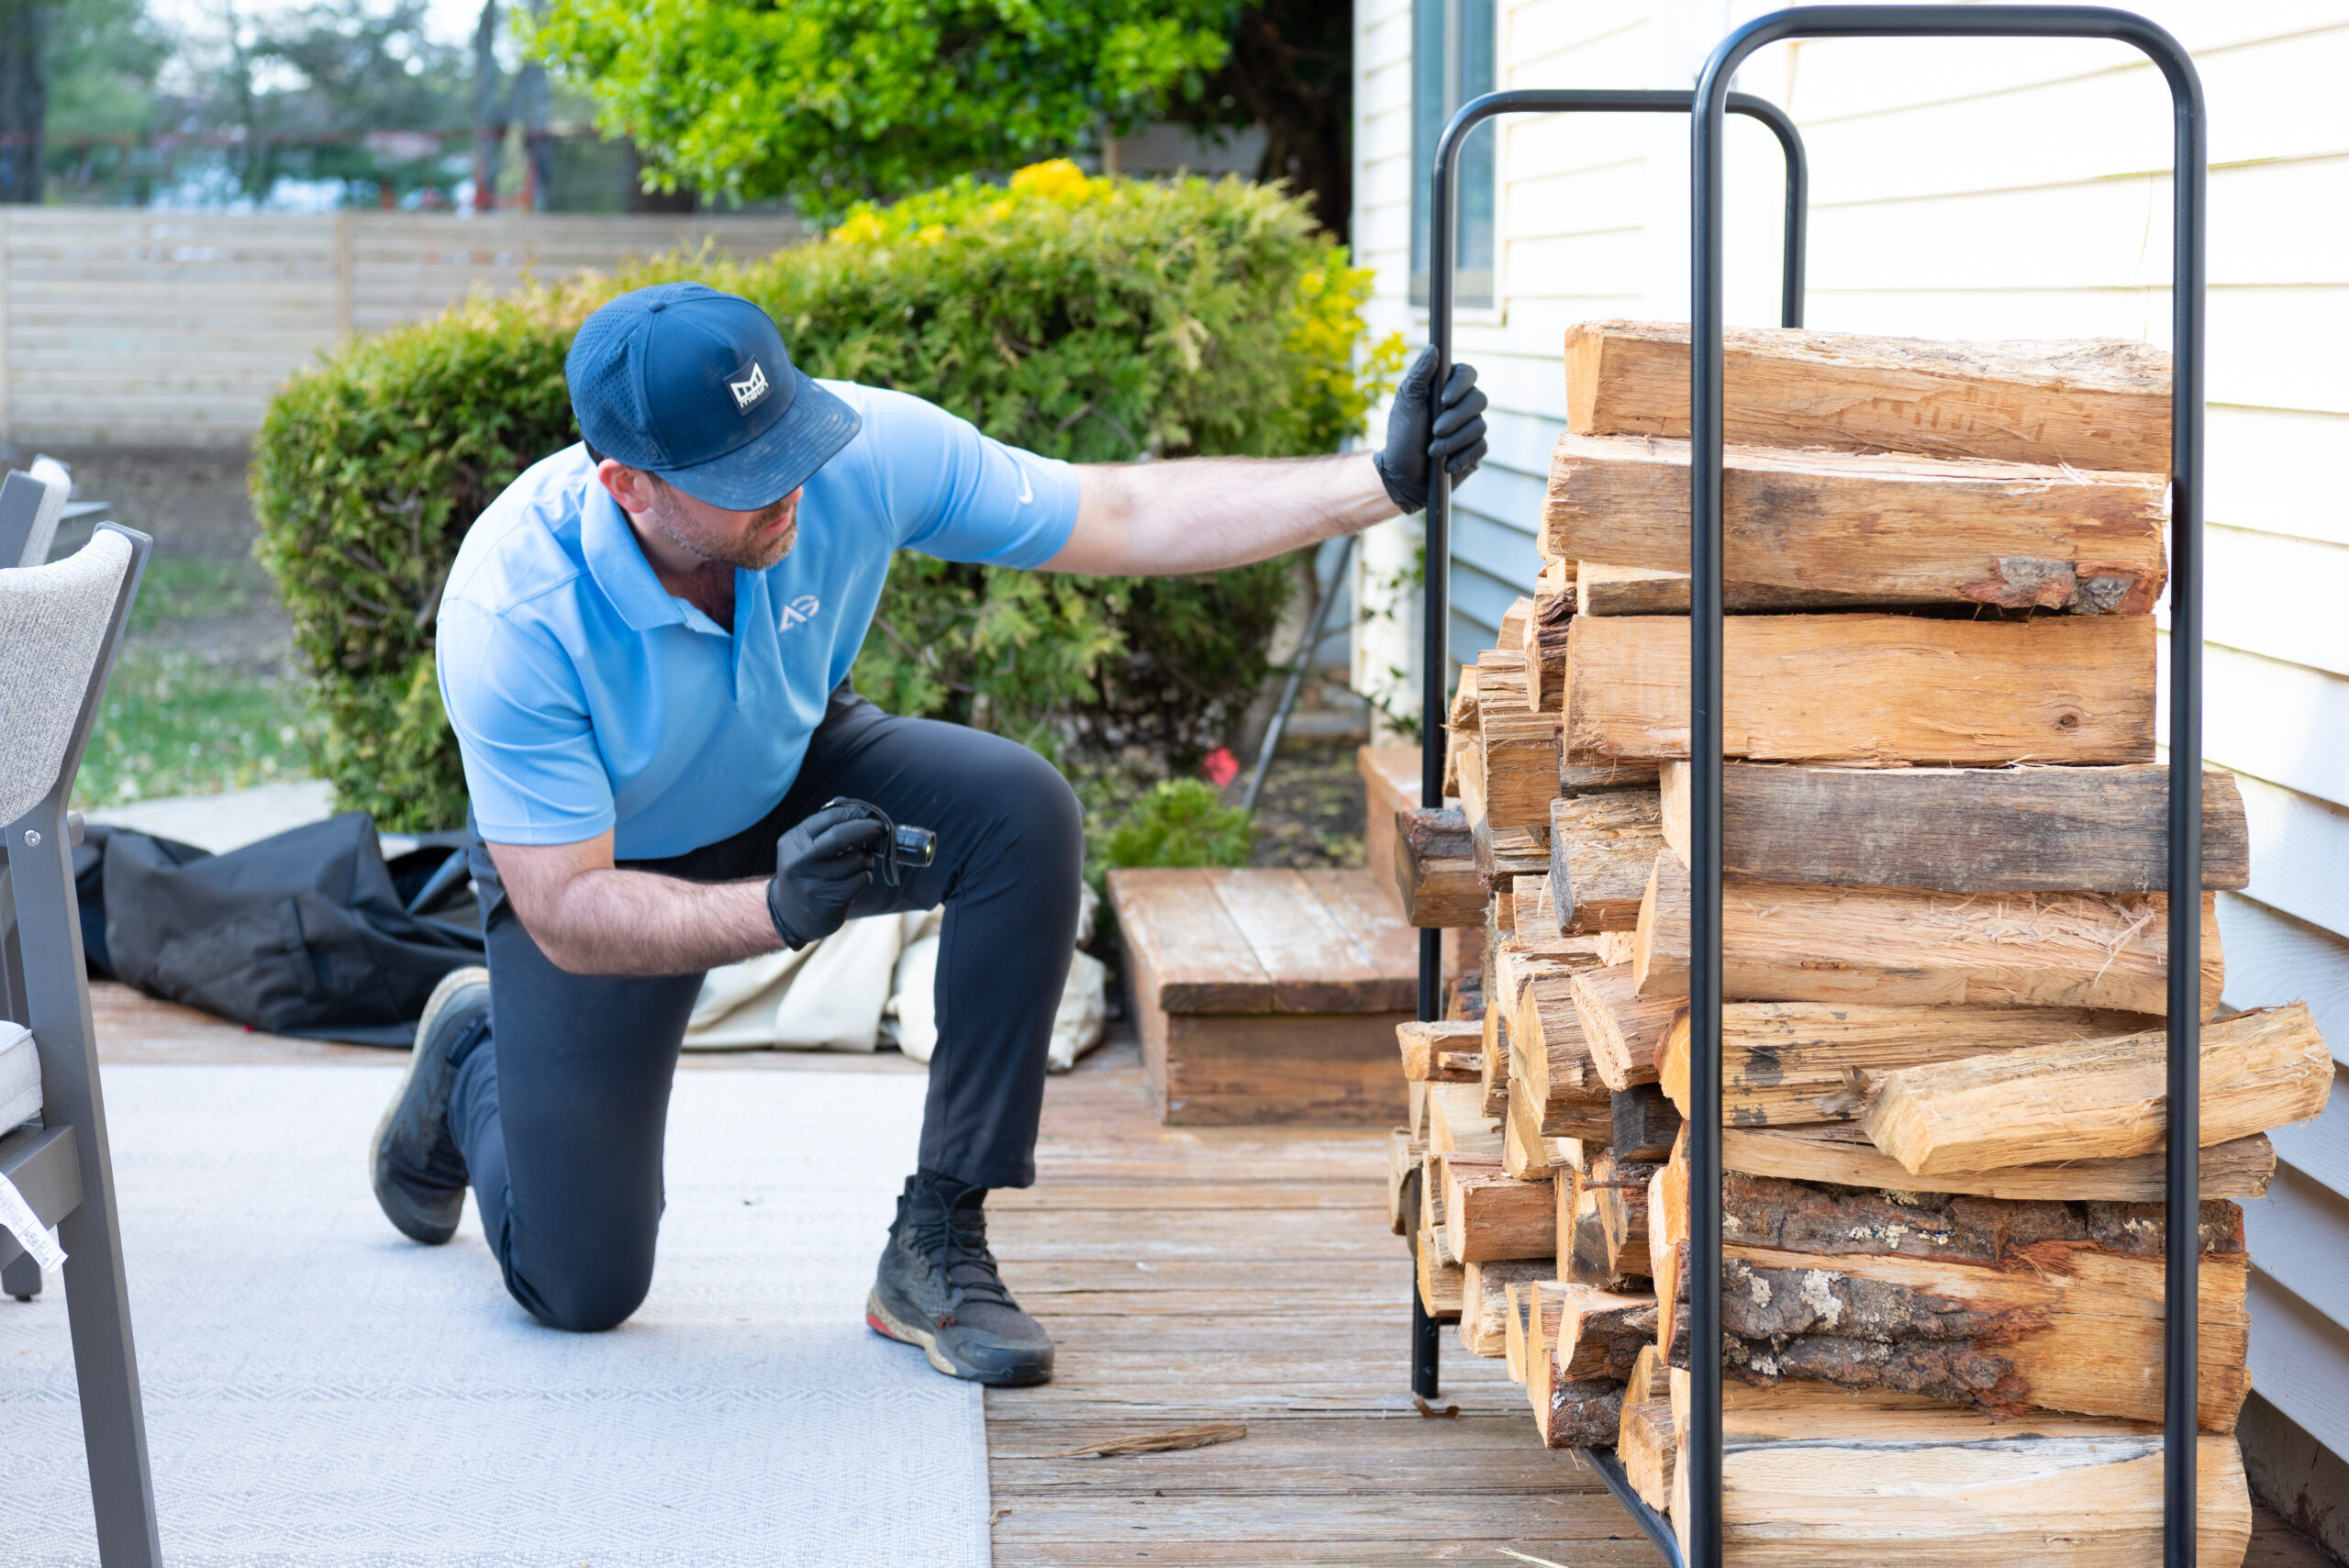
(1700, 1445)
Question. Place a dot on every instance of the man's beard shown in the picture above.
(752, 554)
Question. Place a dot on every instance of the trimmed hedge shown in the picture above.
(1086, 318)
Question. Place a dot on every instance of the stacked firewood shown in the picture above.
(1943, 933)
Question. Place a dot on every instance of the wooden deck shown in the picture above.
(1197, 1275)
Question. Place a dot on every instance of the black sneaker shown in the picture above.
(939, 1288)
(419, 1171)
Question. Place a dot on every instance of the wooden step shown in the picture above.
(1267, 995)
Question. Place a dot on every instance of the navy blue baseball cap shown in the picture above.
(695, 385)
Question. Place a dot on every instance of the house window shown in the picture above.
(1452, 61)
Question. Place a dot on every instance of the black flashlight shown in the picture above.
(905, 847)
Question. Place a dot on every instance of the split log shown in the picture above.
(1644, 590)
(1567, 1413)
(1906, 947)
(1797, 1063)
(1644, 1123)
(1403, 1158)
(1428, 1049)
(1523, 1306)
(1529, 1152)
(1961, 829)
(1872, 688)
(1440, 1284)
(1602, 848)
(1459, 728)
(1590, 774)
(1648, 1443)
(1885, 529)
(1457, 1122)
(1814, 1478)
(1517, 748)
(2098, 1099)
(2002, 1305)
(1484, 1302)
(2240, 1170)
(1651, 1376)
(1601, 1333)
(1556, 1060)
(1492, 1063)
(1435, 868)
(1622, 1187)
(1582, 1259)
(1545, 648)
(1536, 915)
(1489, 1215)
(1623, 1023)
(2096, 403)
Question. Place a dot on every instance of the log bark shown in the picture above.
(1872, 688)
(1601, 849)
(2240, 1170)
(1566, 1412)
(2096, 1099)
(1961, 829)
(2100, 404)
(2002, 1305)
(1886, 528)
(1428, 1050)
(1815, 1477)
(1798, 1063)
(1435, 868)
(1904, 947)
(1623, 1025)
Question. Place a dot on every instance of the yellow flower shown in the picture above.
(1057, 180)
(859, 228)
(930, 234)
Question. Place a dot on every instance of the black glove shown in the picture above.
(1422, 430)
(819, 868)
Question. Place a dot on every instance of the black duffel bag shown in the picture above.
(308, 933)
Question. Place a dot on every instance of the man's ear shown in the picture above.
(631, 487)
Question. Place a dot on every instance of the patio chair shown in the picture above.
(60, 625)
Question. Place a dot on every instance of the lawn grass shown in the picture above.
(204, 697)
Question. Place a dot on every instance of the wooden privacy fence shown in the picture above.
(122, 327)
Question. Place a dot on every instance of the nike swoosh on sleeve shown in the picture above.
(1026, 494)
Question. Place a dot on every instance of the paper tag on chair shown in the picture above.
(21, 1222)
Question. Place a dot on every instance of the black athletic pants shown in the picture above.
(561, 1114)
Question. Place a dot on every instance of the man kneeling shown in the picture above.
(644, 649)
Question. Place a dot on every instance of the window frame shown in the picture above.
(1467, 36)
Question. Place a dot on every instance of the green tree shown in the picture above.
(832, 102)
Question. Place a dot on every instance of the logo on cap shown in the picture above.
(749, 388)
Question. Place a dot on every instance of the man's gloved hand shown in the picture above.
(1423, 429)
(819, 868)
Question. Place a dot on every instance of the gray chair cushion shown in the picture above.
(52, 625)
(20, 1076)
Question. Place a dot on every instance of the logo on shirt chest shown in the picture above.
(799, 612)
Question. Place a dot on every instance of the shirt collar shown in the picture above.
(617, 562)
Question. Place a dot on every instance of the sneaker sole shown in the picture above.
(889, 1325)
(450, 983)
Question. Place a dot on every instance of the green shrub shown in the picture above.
(1181, 822)
(1085, 319)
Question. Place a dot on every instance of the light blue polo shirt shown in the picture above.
(584, 695)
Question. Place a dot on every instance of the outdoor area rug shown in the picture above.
(322, 1392)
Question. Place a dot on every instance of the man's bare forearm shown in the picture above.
(631, 922)
(1207, 514)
